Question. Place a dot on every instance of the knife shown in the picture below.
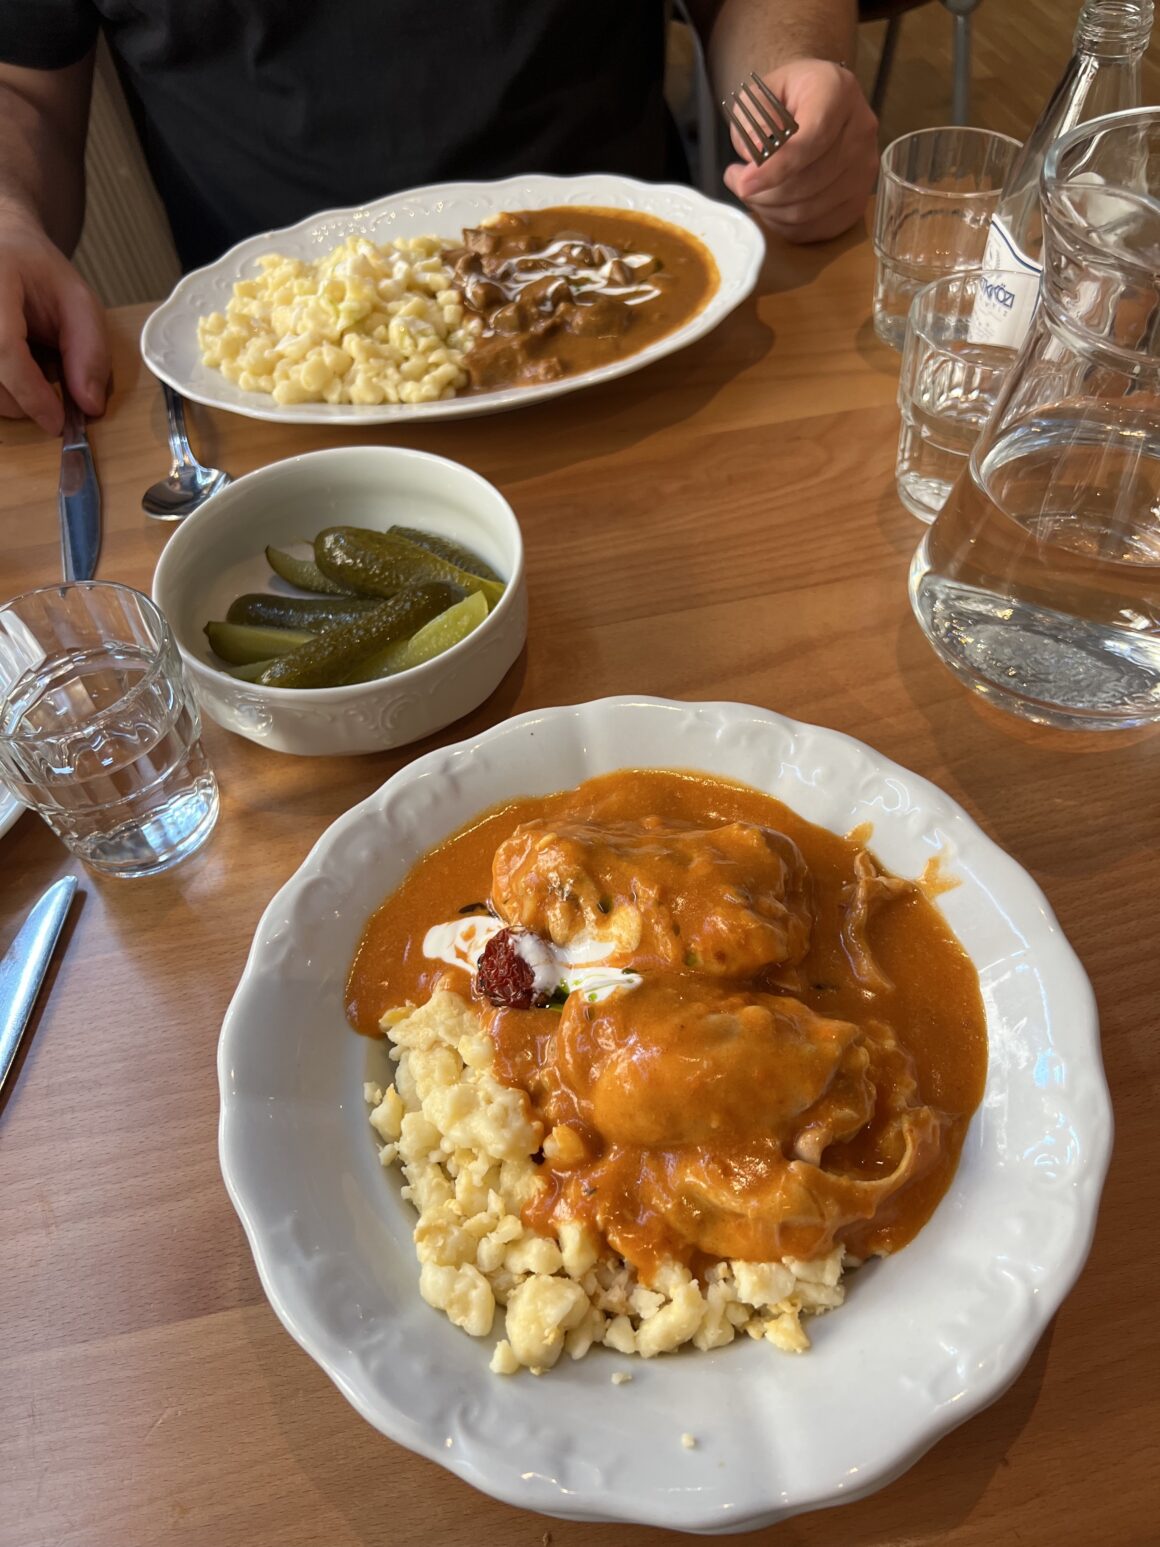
(23, 968)
(80, 497)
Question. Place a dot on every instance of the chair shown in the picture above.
(892, 12)
(126, 252)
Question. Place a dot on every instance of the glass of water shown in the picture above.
(99, 731)
(947, 387)
(936, 194)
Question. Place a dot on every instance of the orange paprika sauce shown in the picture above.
(926, 992)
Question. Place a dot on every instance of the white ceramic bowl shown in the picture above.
(219, 552)
(925, 1339)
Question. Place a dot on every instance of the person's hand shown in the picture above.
(45, 300)
(817, 184)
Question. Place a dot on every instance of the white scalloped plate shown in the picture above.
(10, 809)
(924, 1340)
(169, 337)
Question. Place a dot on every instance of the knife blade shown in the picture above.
(23, 968)
(79, 499)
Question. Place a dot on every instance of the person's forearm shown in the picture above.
(43, 121)
(744, 35)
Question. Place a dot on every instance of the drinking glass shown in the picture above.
(936, 194)
(1039, 581)
(947, 387)
(99, 731)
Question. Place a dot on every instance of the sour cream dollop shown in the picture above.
(581, 968)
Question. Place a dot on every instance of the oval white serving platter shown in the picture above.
(169, 337)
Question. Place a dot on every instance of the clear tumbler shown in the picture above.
(937, 191)
(99, 731)
(946, 388)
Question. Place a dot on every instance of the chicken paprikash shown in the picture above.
(732, 1038)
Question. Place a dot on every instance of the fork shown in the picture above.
(762, 119)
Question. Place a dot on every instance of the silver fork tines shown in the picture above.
(761, 119)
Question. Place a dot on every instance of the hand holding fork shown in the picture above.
(812, 113)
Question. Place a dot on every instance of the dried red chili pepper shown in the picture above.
(504, 977)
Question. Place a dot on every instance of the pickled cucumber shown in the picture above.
(251, 671)
(429, 641)
(241, 643)
(313, 613)
(378, 563)
(336, 656)
(383, 601)
(447, 549)
(303, 573)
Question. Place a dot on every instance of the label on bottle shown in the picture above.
(1007, 294)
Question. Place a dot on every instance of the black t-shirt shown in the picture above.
(256, 113)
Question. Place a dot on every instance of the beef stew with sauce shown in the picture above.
(561, 291)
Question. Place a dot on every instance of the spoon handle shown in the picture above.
(178, 438)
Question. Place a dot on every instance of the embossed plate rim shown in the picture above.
(925, 1340)
(169, 340)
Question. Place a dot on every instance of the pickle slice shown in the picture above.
(303, 573)
(241, 643)
(378, 563)
(431, 640)
(447, 549)
(250, 672)
(312, 613)
(336, 655)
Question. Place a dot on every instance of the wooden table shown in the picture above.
(722, 525)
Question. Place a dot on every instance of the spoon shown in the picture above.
(189, 483)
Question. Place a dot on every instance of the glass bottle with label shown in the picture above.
(1103, 76)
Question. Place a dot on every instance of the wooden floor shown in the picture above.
(1019, 48)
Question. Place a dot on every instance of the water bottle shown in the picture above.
(1103, 76)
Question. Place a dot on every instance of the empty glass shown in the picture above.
(936, 194)
(99, 731)
(1039, 581)
(947, 387)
